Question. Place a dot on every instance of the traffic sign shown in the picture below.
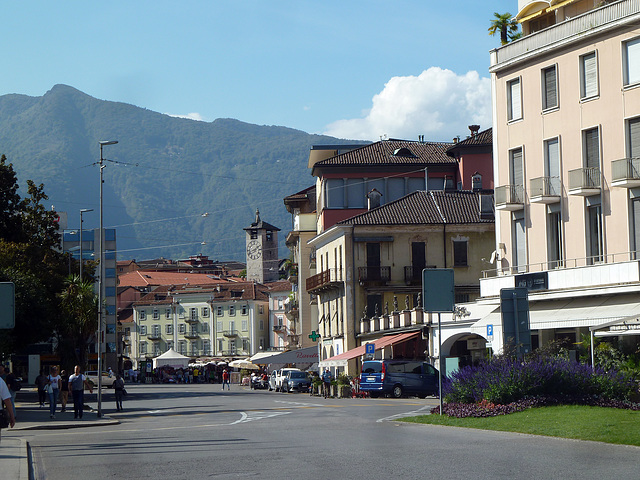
(370, 348)
(438, 290)
(490, 331)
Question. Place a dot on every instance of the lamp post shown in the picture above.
(100, 282)
(83, 210)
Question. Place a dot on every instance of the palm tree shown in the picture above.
(506, 25)
(79, 305)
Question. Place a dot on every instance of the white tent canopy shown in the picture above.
(171, 358)
(307, 355)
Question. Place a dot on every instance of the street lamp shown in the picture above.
(100, 281)
(83, 210)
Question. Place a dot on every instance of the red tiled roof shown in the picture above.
(425, 208)
(391, 153)
(279, 286)
(148, 278)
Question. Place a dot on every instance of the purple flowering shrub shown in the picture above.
(506, 385)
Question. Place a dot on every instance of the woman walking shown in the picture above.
(53, 389)
(118, 387)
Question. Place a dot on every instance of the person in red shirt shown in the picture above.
(225, 379)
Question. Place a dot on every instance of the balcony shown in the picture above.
(279, 328)
(413, 275)
(584, 181)
(327, 280)
(509, 197)
(625, 173)
(194, 319)
(545, 190)
(230, 333)
(569, 31)
(192, 334)
(126, 339)
(374, 274)
(154, 336)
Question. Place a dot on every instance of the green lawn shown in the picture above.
(610, 425)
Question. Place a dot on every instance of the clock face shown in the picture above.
(254, 249)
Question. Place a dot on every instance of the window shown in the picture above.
(206, 347)
(280, 304)
(169, 329)
(516, 176)
(182, 347)
(169, 344)
(635, 227)
(180, 312)
(220, 345)
(193, 313)
(633, 138)
(244, 325)
(514, 100)
(143, 348)
(205, 312)
(554, 237)
(219, 325)
(156, 350)
(261, 325)
(143, 329)
(245, 309)
(260, 309)
(519, 245)
(279, 320)
(355, 193)
(194, 348)
(142, 315)
(334, 191)
(549, 88)
(155, 330)
(552, 166)
(594, 233)
(591, 149)
(232, 347)
(156, 314)
(205, 327)
(232, 326)
(182, 328)
(631, 59)
(232, 310)
(476, 182)
(167, 313)
(262, 344)
(245, 344)
(460, 253)
(219, 310)
(588, 75)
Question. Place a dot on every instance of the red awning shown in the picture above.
(342, 358)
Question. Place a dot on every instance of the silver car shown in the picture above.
(296, 382)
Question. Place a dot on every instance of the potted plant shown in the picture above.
(344, 386)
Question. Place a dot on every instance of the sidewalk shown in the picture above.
(14, 454)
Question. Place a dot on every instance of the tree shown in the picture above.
(506, 25)
(79, 305)
(10, 203)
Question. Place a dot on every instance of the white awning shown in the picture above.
(300, 356)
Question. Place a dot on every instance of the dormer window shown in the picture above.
(476, 182)
(403, 152)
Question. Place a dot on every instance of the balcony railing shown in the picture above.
(413, 275)
(230, 333)
(509, 197)
(324, 280)
(572, 29)
(545, 189)
(279, 328)
(584, 181)
(625, 172)
(155, 336)
(374, 274)
(193, 319)
(192, 334)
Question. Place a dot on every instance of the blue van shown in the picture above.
(398, 378)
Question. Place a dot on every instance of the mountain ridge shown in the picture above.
(164, 174)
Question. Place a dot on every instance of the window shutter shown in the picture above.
(516, 102)
(590, 73)
(634, 138)
(592, 147)
(517, 176)
(550, 91)
(633, 62)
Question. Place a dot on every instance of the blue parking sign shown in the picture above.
(489, 330)
(370, 348)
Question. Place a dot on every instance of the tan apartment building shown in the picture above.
(566, 100)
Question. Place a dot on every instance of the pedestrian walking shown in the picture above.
(12, 384)
(326, 382)
(225, 379)
(41, 383)
(5, 395)
(53, 389)
(77, 383)
(64, 390)
(118, 387)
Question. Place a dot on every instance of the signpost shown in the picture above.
(514, 305)
(438, 295)
(7, 305)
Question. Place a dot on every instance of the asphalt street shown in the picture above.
(200, 432)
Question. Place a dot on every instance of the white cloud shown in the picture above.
(438, 104)
(190, 116)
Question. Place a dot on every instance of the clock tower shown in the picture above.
(262, 251)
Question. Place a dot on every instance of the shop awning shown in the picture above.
(300, 356)
(342, 359)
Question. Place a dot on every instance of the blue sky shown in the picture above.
(352, 69)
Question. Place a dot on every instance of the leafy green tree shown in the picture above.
(79, 305)
(10, 202)
(506, 25)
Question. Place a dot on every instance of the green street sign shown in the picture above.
(7, 305)
(314, 336)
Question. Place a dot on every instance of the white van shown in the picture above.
(277, 376)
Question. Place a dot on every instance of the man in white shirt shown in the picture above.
(6, 398)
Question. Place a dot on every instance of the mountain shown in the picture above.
(161, 177)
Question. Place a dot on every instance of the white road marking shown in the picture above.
(406, 414)
(300, 404)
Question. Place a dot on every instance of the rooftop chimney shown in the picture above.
(474, 129)
(374, 199)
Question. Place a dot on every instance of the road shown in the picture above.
(199, 432)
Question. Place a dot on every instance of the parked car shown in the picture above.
(296, 381)
(277, 376)
(107, 379)
(399, 378)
